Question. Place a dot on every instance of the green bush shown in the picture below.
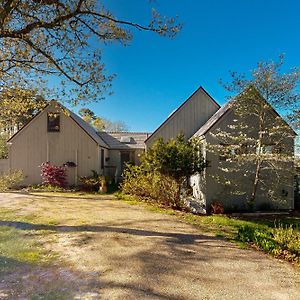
(164, 171)
(283, 242)
(288, 240)
(150, 186)
(94, 183)
(8, 181)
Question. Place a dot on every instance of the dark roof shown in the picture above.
(213, 120)
(132, 140)
(175, 111)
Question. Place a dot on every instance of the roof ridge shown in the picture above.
(90, 130)
(213, 119)
(86, 127)
(200, 88)
(135, 132)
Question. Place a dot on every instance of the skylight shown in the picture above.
(125, 139)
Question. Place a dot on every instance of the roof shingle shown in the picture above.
(113, 139)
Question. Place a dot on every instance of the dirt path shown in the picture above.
(118, 251)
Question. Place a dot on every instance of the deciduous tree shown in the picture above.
(255, 147)
(17, 107)
(100, 123)
(49, 40)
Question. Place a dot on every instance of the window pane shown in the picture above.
(268, 149)
(53, 122)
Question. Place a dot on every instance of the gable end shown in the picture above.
(179, 112)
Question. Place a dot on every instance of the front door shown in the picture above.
(125, 157)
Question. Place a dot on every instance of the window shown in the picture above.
(224, 152)
(244, 149)
(277, 149)
(230, 151)
(265, 149)
(53, 122)
(270, 149)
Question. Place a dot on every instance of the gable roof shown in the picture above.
(133, 140)
(226, 108)
(182, 105)
(79, 121)
(88, 129)
(213, 120)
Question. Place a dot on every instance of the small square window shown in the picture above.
(277, 149)
(270, 149)
(53, 122)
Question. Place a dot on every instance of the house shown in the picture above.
(59, 136)
(201, 117)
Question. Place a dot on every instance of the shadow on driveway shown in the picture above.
(179, 238)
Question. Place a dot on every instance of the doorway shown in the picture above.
(125, 157)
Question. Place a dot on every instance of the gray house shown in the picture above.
(59, 136)
(200, 116)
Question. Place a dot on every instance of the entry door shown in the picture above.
(125, 157)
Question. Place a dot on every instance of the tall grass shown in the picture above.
(280, 241)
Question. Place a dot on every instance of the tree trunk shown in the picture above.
(251, 202)
(177, 200)
(259, 149)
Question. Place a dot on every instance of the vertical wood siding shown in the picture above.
(34, 145)
(192, 115)
(217, 191)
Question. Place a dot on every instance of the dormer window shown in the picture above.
(53, 122)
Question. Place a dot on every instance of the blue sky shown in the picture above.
(155, 75)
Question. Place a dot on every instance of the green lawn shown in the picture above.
(20, 245)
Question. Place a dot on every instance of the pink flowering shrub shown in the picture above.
(53, 175)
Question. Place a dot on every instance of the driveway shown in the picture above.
(108, 249)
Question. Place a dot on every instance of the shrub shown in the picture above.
(90, 183)
(263, 238)
(288, 240)
(150, 186)
(8, 181)
(54, 175)
(279, 241)
(164, 170)
(94, 183)
(177, 158)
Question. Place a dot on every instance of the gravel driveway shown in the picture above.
(128, 252)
